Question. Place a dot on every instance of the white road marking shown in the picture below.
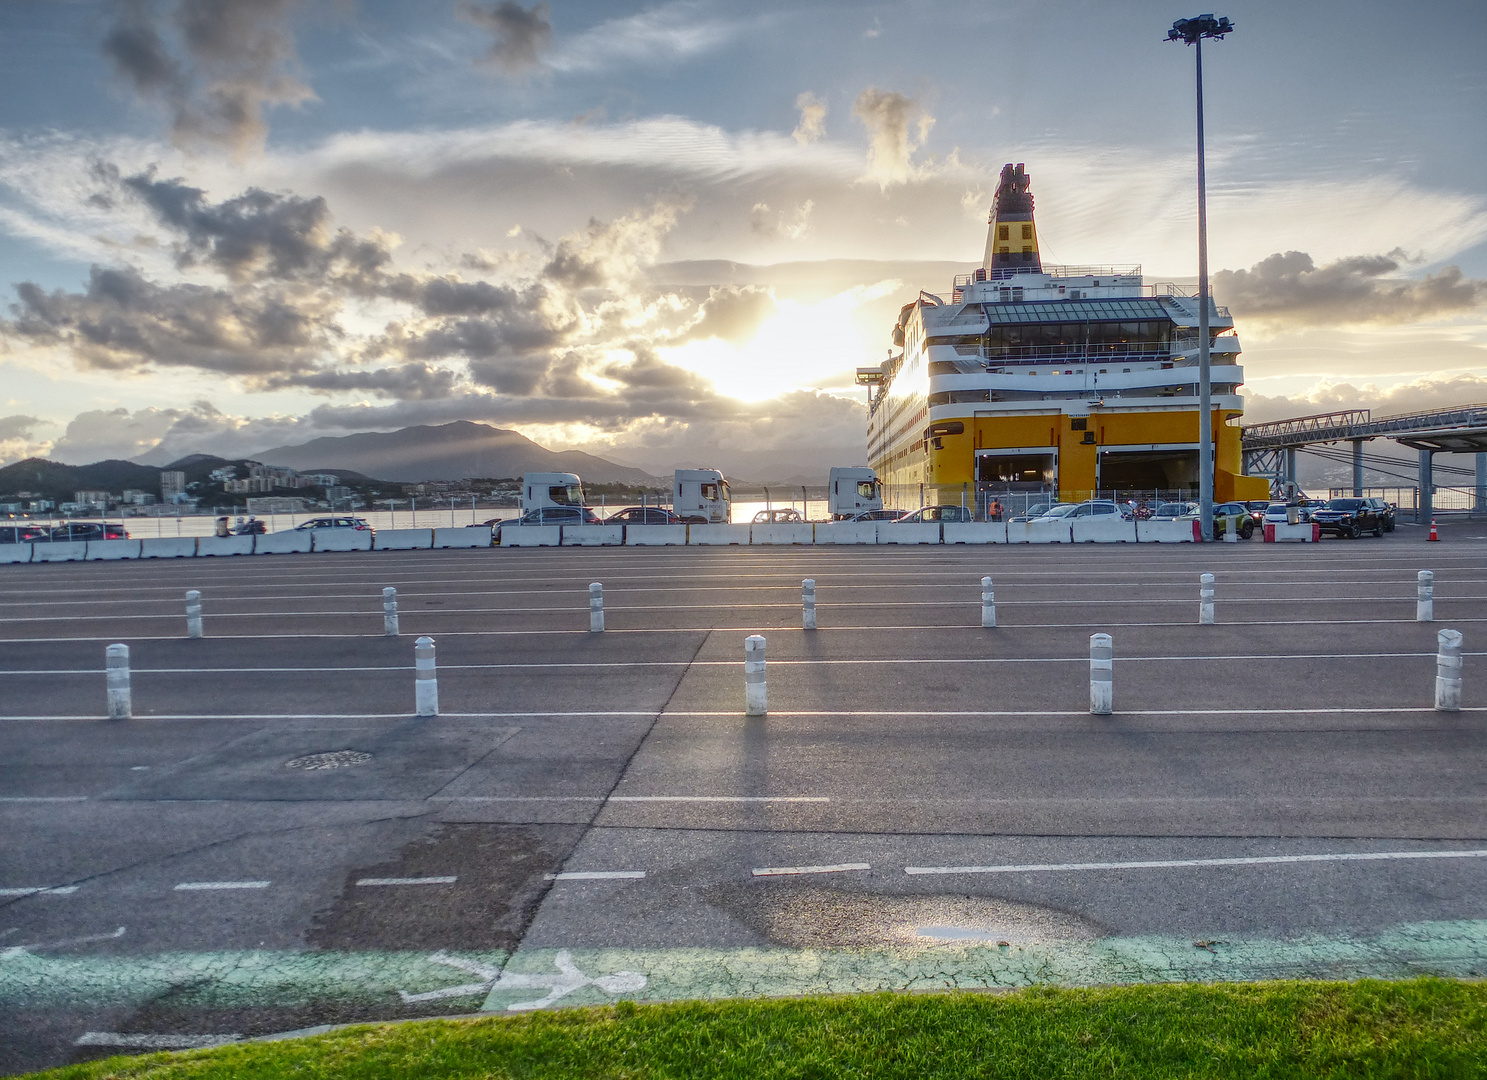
(594, 875)
(43, 798)
(773, 871)
(720, 798)
(65, 942)
(197, 886)
(59, 890)
(407, 880)
(1166, 864)
(154, 1042)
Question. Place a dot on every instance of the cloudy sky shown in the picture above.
(668, 232)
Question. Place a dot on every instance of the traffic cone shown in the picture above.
(1432, 535)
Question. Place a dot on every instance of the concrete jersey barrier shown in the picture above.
(59, 551)
(1104, 529)
(1038, 531)
(908, 532)
(168, 547)
(478, 537)
(718, 534)
(109, 550)
(224, 545)
(403, 539)
(780, 532)
(531, 535)
(655, 535)
(593, 535)
(15, 553)
(286, 542)
(847, 532)
(1181, 531)
(975, 532)
(341, 539)
(1306, 532)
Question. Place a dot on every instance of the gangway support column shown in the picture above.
(1357, 468)
(1481, 500)
(1427, 489)
(1290, 471)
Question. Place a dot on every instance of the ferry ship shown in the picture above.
(1081, 381)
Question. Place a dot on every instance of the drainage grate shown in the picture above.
(338, 759)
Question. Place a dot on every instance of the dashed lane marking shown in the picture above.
(41, 890)
(43, 798)
(1168, 864)
(774, 871)
(407, 880)
(204, 886)
(595, 875)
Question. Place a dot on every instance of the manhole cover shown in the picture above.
(338, 759)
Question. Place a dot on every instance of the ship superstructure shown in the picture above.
(1077, 380)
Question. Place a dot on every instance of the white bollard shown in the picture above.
(808, 604)
(755, 698)
(390, 611)
(1448, 671)
(596, 607)
(193, 614)
(426, 682)
(1425, 597)
(1205, 600)
(1231, 535)
(117, 663)
(1101, 675)
(988, 603)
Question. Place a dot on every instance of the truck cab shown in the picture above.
(854, 488)
(701, 497)
(542, 489)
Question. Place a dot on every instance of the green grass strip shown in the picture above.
(1256, 1031)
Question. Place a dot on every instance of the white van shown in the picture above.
(854, 488)
(540, 489)
(701, 497)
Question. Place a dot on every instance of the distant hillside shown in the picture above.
(446, 452)
(58, 482)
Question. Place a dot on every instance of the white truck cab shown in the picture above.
(701, 497)
(854, 488)
(540, 489)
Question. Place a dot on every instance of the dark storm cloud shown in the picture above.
(124, 320)
(215, 65)
(521, 34)
(17, 427)
(408, 382)
(1290, 287)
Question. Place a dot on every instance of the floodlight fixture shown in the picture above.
(1192, 32)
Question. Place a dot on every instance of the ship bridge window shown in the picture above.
(949, 427)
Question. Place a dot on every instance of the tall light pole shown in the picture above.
(1192, 32)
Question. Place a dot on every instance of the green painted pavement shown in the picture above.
(538, 978)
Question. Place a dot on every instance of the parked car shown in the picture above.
(1257, 511)
(1035, 511)
(21, 534)
(787, 516)
(947, 512)
(1385, 511)
(644, 515)
(1348, 518)
(1097, 508)
(1172, 511)
(357, 523)
(550, 515)
(88, 530)
(1233, 515)
(879, 515)
(1057, 512)
(1276, 513)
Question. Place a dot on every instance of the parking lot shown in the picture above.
(274, 841)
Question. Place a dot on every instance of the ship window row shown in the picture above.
(958, 397)
(1042, 311)
(1152, 332)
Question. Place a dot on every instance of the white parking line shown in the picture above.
(1167, 864)
(59, 890)
(720, 798)
(199, 886)
(773, 871)
(594, 875)
(43, 798)
(154, 1042)
(407, 880)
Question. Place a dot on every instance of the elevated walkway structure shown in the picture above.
(1270, 449)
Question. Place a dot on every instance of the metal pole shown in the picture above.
(1205, 397)
(1357, 468)
(1426, 511)
(1481, 500)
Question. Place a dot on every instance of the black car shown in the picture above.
(1385, 511)
(643, 515)
(1348, 518)
(88, 530)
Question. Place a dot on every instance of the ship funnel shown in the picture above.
(1011, 236)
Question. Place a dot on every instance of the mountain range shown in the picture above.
(447, 452)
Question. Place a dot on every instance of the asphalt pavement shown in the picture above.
(274, 841)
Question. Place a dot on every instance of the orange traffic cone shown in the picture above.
(1433, 535)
